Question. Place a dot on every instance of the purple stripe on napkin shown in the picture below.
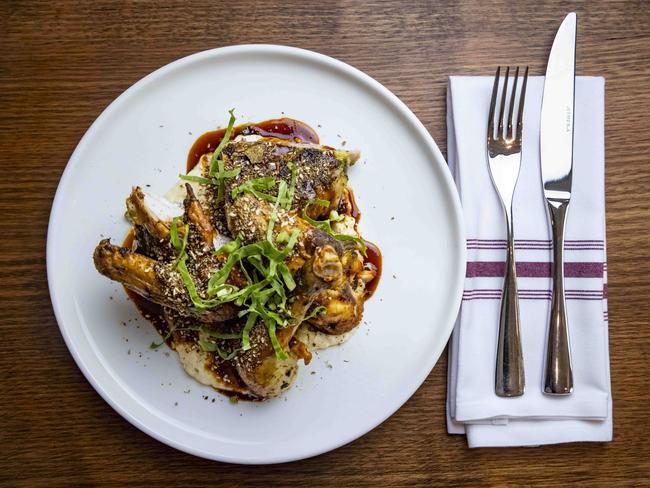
(532, 269)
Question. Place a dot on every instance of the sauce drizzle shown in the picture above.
(284, 128)
(373, 258)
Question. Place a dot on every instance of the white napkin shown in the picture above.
(472, 406)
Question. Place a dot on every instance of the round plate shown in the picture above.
(410, 209)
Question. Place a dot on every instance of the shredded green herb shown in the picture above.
(155, 345)
(257, 187)
(291, 192)
(282, 195)
(213, 347)
(179, 245)
(279, 353)
(326, 225)
(197, 179)
(198, 302)
(224, 140)
(228, 247)
(217, 171)
(246, 333)
(314, 311)
(268, 279)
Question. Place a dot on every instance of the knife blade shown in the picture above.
(556, 153)
(556, 126)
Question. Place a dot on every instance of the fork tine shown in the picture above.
(503, 103)
(493, 102)
(520, 114)
(512, 103)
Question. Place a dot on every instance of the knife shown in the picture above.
(556, 152)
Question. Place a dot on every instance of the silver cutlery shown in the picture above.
(556, 152)
(504, 160)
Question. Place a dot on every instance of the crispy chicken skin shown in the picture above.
(264, 374)
(198, 220)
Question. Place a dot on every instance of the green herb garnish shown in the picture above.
(291, 192)
(279, 353)
(217, 170)
(224, 140)
(326, 225)
(282, 195)
(197, 179)
(257, 187)
(260, 186)
(179, 245)
(245, 338)
(314, 311)
(156, 345)
(228, 247)
(212, 347)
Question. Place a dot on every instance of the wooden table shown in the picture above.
(61, 63)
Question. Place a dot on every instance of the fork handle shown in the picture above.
(558, 376)
(509, 380)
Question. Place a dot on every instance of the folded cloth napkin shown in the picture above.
(472, 406)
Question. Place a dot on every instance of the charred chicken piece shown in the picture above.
(320, 172)
(264, 374)
(152, 213)
(154, 280)
(158, 280)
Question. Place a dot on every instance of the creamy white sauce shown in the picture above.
(247, 138)
(346, 226)
(176, 193)
(315, 339)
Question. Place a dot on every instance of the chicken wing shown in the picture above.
(154, 280)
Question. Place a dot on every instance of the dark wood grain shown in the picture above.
(61, 63)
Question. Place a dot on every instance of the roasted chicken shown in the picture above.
(232, 315)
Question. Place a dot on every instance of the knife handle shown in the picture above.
(558, 376)
(509, 378)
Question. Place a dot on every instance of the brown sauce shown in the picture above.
(284, 128)
(373, 257)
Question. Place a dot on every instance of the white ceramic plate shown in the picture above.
(409, 206)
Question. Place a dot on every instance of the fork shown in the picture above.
(504, 160)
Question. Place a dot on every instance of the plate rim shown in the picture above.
(337, 65)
